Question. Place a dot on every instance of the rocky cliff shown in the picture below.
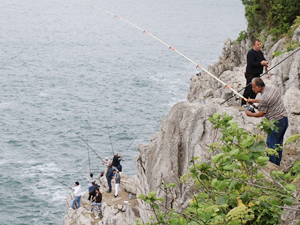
(185, 133)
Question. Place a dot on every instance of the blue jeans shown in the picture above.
(276, 137)
(109, 184)
(77, 200)
(109, 178)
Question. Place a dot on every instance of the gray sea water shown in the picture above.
(66, 67)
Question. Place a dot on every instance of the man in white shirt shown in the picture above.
(107, 163)
(77, 193)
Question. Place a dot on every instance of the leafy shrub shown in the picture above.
(232, 189)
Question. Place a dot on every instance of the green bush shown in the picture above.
(232, 188)
(276, 16)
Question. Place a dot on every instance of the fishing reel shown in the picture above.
(252, 108)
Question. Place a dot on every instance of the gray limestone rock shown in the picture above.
(186, 133)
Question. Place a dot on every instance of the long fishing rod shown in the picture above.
(87, 145)
(170, 47)
(59, 182)
(262, 74)
(136, 137)
(110, 140)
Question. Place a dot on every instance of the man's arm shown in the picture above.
(250, 100)
(257, 114)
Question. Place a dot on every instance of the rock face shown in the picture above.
(185, 133)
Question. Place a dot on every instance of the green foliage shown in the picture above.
(293, 139)
(231, 189)
(242, 36)
(268, 126)
(276, 16)
(278, 53)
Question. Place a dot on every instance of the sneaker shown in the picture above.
(71, 208)
(245, 106)
(90, 212)
(97, 217)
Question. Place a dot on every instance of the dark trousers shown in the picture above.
(248, 93)
(109, 184)
(276, 138)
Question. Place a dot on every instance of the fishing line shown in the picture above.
(136, 137)
(88, 156)
(89, 160)
(263, 74)
(59, 182)
(110, 140)
(87, 144)
(144, 31)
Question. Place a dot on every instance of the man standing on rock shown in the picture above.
(270, 106)
(255, 64)
(97, 202)
(107, 163)
(77, 193)
(109, 176)
(116, 162)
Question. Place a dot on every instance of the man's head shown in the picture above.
(91, 175)
(257, 85)
(116, 154)
(114, 171)
(256, 44)
(76, 183)
(106, 159)
(93, 183)
(97, 190)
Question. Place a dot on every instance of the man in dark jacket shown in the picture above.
(116, 162)
(255, 64)
(93, 190)
(97, 202)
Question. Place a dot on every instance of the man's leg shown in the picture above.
(99, 209)
(276, 138)
(109, 184)
(73, 203)
(92, 206)
(78, 202)
(116, 189)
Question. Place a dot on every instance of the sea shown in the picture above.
(79, 84)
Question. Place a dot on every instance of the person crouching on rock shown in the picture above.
(77, 193)
(90, 181)
(92, 193)
(117, 181)
(97, 202)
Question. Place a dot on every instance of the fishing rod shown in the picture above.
(59, 182)
(87, 144)
(170, 47)
(136, 137)
(262, 74)
(110, 140)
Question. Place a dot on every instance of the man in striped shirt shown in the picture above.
(270, 106)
